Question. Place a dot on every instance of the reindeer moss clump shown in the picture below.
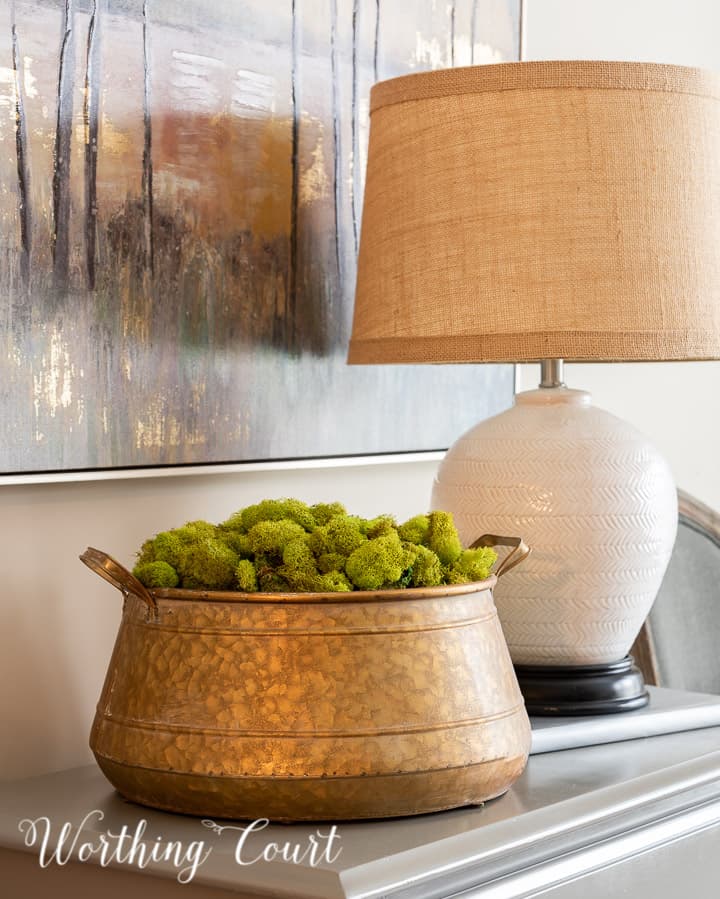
(379, 562)
(284, 545)
(246, 576)
(157, 574)
(471, 565)
(208, 563)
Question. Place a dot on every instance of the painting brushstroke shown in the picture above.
(63, 144)
(180, 224)
(23, 175)
(337, 148)
(147, 163)
(376, 42)
(90, 116)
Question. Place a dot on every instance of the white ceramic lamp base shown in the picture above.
(596, 502)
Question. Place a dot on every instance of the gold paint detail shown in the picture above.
(113, 142)
(314, 182)
(53, 382)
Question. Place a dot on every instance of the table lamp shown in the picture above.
(550, 211)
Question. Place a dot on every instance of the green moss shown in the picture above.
(168, 546)
(299, 573)
(147, 552)
(208, 563)
(156, 574)
(199, 527)
(233, 524)
(269, 581)
(426, 570)
(342, 535)
(163, 547)
(377, 562)
(345, 534)
(415, 530)
(323, 512)
(277, 510)
(379, 527)
(284, 545)
(443, 538)
(271, 537)
(472, 565)
(331, 562)
(333, 582)
(191, 583)
(299, 568)
(238, 543)
(245, 576)
(298, 555)
(319, 542)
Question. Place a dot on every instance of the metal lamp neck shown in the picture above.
(551, 373)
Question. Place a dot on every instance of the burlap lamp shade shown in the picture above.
(549, 211)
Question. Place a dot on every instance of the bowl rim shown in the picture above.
(403, 594)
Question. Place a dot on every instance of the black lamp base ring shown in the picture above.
(571, 690)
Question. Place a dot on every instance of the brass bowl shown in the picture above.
(312, 706)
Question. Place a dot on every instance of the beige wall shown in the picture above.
(677, 405)
(58, 621)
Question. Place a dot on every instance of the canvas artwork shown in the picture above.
(180, 208)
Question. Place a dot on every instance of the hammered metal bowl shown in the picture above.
(308, 706)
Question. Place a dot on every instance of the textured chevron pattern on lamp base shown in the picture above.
(598, 505)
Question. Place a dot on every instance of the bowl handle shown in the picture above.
(518, 554)
(117, 575)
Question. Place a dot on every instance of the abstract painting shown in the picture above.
(180, 206)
